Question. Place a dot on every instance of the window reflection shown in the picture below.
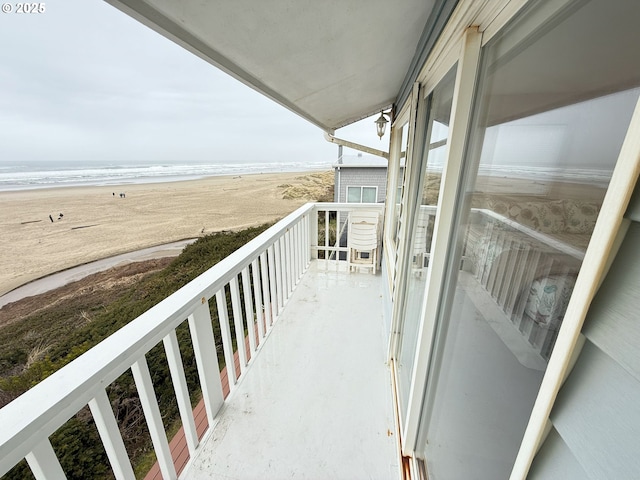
(552, 110)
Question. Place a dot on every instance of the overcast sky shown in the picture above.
(83, 81)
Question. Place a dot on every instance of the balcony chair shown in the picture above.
(422, 241)
(362, 240)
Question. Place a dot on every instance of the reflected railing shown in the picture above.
(247, 291)
(527, 274)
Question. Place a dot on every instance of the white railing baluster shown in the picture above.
(110, 435)
(312, 232)
(301, 249)
(297, 252)
(337, 242)
(288, 261)
(278, 269)
(294, 257)
(204, 349)
(266, 289)
(248, 310)
(225, 332)
(326, 234)
(291, 259)
(284, 258)
(301, 246)
(142, 377)
(176, 368)
(288, 258)
(257, 296)
(281, 280)
(43, 462)
(238, 322)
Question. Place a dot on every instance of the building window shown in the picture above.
(362, 194)
(551, 113)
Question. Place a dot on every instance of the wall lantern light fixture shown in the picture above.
(381, 123)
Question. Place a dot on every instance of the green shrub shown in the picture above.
(76, 443)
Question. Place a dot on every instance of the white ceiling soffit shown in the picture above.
(331, 62)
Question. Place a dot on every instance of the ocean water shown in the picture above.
(33, 175)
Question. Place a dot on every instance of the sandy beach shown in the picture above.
(97, 222)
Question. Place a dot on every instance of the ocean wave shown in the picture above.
(27, 176)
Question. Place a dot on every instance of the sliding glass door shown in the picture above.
(555, 96)
(424, 200)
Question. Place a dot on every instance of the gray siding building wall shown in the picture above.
(359, 176)
(596, 418)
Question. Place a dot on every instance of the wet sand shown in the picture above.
(98, 223)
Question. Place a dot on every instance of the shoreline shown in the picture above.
(97, 223)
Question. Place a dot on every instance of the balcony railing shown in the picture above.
(259, 278)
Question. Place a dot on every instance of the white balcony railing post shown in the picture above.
(266, 294)
(248, 310)
(110, 435)
(238, 322)
(142, 378)
(174, 359)
(43, 462)
(257, 297)
(273, 292)
(289, 258)
(225, 333)
(312, 230)
(278, 288)
(205, 352)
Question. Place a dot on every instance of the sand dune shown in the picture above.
(98, 223)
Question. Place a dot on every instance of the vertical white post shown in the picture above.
(304, 241)
(248, 310)
(337, 244)
(295, 256)
(142, 377)
(225, 332)
(274, 303)
(257, 297)
(266, 293)
(278, 288)
(313, 233)
(326, 234)
(176, 368)
(110, 435)
(299, 249)
(289, 259)
(283, 265)
(238, 322)
(204, 349)
(43, 462)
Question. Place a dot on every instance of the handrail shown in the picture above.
(40, 411)
(541, 237)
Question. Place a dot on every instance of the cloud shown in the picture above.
(84, 81)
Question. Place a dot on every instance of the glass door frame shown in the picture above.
(460, 115)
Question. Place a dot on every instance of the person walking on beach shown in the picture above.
(51, 218)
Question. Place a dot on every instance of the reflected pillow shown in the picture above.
(580, 216)
(544, 216)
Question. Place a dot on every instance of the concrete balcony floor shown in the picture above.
(316, 401)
